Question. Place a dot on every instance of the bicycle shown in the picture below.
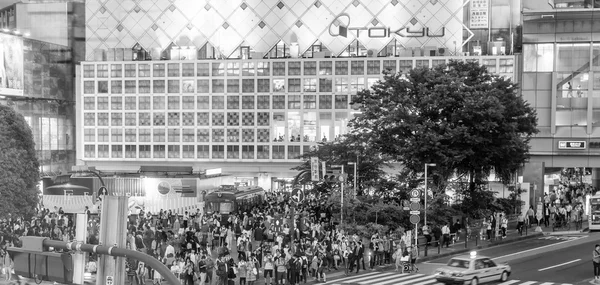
(561, 223)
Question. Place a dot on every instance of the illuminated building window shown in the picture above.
(102, 103)
(187, 151)
(103, 135)
(89, 119)
(341, 68)
(116, 70)
(294, 102)
(248, 69)
(145, 151)
(116, 103)
(116, 119)
(174, 135)
(263, 69)
(158, 151)
(325, 102)
(89, 87)
(294, 68)
(203, 85)
(88, 71)
(203, 69)
(341, 85)
(278, 68)
(310, 68)
(278, 102)
(116, 135)
(218, 102)
(188, 135)
(233, 85)
(280, 50)
(371, 82)
(90, 151)
(341, 101)
(247, 85)
(145, 135)
(102, 71)
(233, 68)
(103, 151)
(278, 85)
(218, 69)
(139, 53)
(158, 86)
(389, 65)
(158, 102)
(325, 85)
(233, 135)
(247, 152)
(203, 151)
(144, 70)
(158, 70)
(218, 151)
(310, 85)
(144, 119)
(325, 68)
(357, 84)
(144, 86)
(248, 102)
(130, 70)
(202, 135)
(373, 67)
(173, 86)
(117, 151)
(130, 151)
(187, 69)
(263, 85)
(173, 69)
(144, 102)
(89, 103)
(158, 119)
(263, 102)
(173, 103)
(130, 87)
(116, 87)
(202, 102)
(187, 102)
(357, 67)
(262, 152)
(218, 86)
(130, 119)
(130, 134)
(103, 87)
(310, 101)
(89, 135)
(294, 85)
(158, 135)
(278, 152)
(187, 86)
(233, 151)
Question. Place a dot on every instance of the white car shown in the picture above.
(472, 269)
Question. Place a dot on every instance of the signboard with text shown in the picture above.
(479, 14)
(11, 65)
(571, 145)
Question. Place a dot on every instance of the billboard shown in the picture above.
(11, 65)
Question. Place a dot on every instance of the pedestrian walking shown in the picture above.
(446, 235)
(596, 261)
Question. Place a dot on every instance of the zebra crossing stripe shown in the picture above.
(358, 280)
(547, 283)
(413, 280)
(509, 282)
(355, 276)
(528, 283)
(428, 282)
(403, 276)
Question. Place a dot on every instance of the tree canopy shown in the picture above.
(457, 115)
(19, 170)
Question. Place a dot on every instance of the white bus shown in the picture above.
(594, 212)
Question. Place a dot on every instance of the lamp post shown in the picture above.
(426, 193)
(355, 164)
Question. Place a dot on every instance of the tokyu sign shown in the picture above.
(571, 145)
(341, 25)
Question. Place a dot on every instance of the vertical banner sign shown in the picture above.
(324, 168)
(314, 169)
(479, 14)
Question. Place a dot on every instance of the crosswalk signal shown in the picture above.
(335, 177)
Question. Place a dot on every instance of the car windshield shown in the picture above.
(460, 263)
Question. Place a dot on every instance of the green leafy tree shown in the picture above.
(459, 116)
(19, 170)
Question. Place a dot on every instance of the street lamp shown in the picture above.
(355, 164)
(426, 193)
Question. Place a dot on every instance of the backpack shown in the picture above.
(298, 265)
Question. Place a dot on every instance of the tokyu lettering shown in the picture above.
(340, 26)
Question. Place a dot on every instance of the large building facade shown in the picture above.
(249, 86)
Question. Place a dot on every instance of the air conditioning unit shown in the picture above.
(371, 53)
(441, 51)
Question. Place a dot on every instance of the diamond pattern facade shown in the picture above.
(261, 24)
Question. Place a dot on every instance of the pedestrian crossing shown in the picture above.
(561, 238)
(396, 278)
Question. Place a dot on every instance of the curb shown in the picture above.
(463, 250)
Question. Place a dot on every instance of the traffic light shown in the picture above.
(335, 177)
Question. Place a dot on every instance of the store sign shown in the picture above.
(571, 145)
(479, 16)
(341, 25)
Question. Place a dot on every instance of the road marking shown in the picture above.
(547, 283)
(509, 282)
(363, 275)
(554, 266)
(413, 280)
(529, 250)
(427, 282)
(386, 278)
(528, 283)
(406, 276)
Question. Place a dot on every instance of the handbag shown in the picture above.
(254, 271)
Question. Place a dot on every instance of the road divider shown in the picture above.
(559, 265)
